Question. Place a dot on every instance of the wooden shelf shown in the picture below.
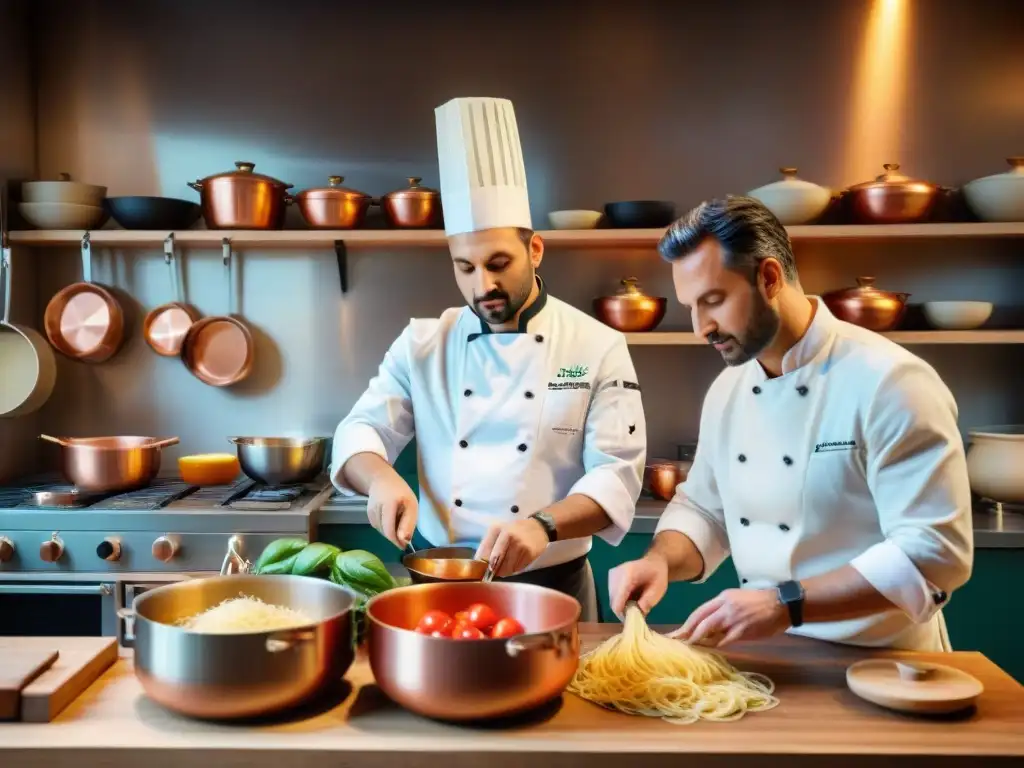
(688, 338)
(586, 238)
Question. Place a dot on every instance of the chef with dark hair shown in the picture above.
(526, 411)
(829, 462)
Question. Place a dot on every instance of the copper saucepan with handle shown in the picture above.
(84, 321)
(219, 350)
(104, 464)
(166, 326)
(28, 369)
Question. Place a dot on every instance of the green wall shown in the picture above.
(986, 615)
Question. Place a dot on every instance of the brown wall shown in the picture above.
(614, 101)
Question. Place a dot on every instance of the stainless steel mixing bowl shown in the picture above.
(224, 676)
(281, 460)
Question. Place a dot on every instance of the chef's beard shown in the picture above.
(761, 330)
(512, 305)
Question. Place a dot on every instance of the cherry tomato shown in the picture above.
(482, 616)
(466, 632)
(507, 627)
(435, 621)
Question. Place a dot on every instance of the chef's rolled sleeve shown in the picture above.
(696, 509)
(917, 473)
(381, 421)
(614, 443)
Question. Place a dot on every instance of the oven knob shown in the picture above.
(165, 548)
(52, 550)
(109, 549)
(6, 549)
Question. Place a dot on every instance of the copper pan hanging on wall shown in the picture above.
(166, 326)
(219, 350)
(84, 321)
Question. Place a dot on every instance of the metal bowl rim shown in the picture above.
(234, 577)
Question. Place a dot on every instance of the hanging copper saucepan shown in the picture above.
(219, 350)
(84, 321)
(166, 326)
(28, 369)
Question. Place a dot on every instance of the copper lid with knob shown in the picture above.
(867, 306)
(892, 198)
(413, 206)
(333, 206)
(244, 175)
(333, 191)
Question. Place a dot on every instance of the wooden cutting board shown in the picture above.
(18, 669)
(80, 661)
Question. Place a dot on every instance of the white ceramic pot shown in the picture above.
(63, 191)
(999, 197)
(62, 215)
(957, 315)
(574, 219)
(995, 460)
(793, 200)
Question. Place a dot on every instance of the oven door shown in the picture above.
(77, 605)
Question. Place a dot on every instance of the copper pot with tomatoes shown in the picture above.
(513, 648)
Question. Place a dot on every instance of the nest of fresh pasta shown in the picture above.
(641, 672)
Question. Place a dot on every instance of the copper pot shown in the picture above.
(444, 564)
(413, 207)
(333, 206)
(630, 311)
(110, 463)
(661, 478)
(867, 306)
(473, 679)
(242, 199)
(892, 198)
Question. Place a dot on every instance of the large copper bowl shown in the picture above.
(226, 676)
(464, 680)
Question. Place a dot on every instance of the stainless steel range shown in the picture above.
(67, 565)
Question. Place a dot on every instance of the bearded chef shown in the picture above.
(526, 411)
(829, 463)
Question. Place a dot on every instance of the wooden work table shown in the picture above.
(819, 722)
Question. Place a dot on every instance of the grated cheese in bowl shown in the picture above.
(242, 614)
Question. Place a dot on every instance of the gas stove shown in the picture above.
(168, 526)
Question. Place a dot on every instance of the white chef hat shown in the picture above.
(483, 179)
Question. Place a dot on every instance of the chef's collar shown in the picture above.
(524, 317)
(814, 340)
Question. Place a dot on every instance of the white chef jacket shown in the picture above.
(506, 423)
(851, 456)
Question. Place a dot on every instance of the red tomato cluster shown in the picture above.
(477, 622)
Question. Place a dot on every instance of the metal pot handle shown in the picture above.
(559, 642)
(127, 615)
(285, 641)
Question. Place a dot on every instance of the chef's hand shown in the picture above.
(392, 508)
(644, 580)
(511, 547)
(736, 614)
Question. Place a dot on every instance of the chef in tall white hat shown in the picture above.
(527, 412)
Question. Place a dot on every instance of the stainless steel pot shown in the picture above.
(218, 676)
(281, 460)
(473, 679)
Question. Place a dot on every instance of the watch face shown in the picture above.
(790, 590)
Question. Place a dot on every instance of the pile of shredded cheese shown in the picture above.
(244, 614)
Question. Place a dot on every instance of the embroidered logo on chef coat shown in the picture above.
(573, 372)
(559, 385)
(839, 445)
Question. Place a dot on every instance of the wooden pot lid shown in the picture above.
(915, 687)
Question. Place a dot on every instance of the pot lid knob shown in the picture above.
(414, 181)
(629, 286)
(244, 166)
(866, 282)
(788, 172)
(1016, 162)
(335, 181)
(64, 176)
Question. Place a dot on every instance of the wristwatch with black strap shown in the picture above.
(547, 523)
(791, 595)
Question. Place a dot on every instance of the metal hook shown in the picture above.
(169, 248)
(226, 250)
